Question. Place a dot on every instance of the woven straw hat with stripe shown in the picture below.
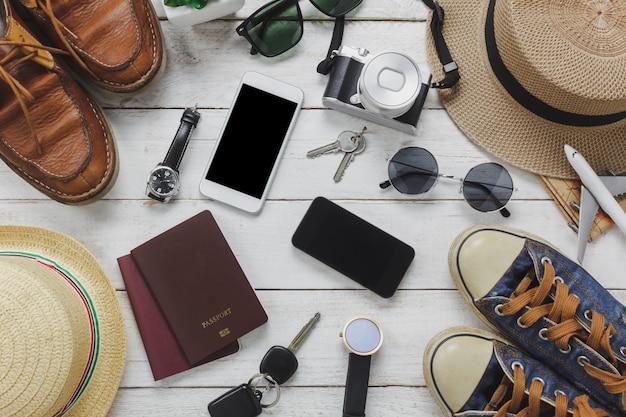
(63, 340)
(536, 75)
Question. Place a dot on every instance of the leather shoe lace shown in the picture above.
(20, 52)
(52, 133)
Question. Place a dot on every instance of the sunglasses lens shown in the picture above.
(488, 187)
(336, 8)
(413, 170)
(275, 28)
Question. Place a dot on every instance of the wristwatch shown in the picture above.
(362, 337)
(163, 182)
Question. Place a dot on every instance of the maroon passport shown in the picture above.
(164, 355)
(199, 286)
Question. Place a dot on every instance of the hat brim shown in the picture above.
(491, 118)
(72, 257)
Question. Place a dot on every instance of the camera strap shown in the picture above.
(326, 65)
(449, 66)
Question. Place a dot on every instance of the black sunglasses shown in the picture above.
(486, 187)
(278, 26)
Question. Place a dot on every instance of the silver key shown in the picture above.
(349, 156)
(346, 142)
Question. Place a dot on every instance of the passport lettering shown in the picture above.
(216, 318)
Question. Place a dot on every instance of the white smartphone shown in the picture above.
(252, 141)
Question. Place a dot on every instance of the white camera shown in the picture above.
(388, 88)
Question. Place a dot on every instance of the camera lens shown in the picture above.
(389, 84)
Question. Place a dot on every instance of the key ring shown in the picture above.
(270, 383)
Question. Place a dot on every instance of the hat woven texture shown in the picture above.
(63, 340)
(561, 79)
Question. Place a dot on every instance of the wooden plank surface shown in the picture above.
(204, 65)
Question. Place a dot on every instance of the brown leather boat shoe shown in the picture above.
(116, 45)
(51, 132)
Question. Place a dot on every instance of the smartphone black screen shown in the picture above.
(251, 141)
(354, 247)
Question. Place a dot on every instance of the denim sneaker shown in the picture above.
(546, 304)
(471, 372)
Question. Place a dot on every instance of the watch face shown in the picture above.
(362, 336)
(163, 181)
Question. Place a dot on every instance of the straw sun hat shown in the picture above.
(536, 75)
(62, 334)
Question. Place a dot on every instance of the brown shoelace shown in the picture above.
(562, 311)
(521, 404)
(19, 53)
(62, 30)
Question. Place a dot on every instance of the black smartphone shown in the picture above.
(354, 247)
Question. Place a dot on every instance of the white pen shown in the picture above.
(595, 186)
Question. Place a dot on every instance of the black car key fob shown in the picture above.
(280, 363)
(241, 401)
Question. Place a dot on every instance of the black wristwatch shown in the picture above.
(362, 337)
(163, 182)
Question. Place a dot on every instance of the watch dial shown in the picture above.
(363, 336)
(163, 181)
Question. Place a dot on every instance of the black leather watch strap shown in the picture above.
(357, 382)
(175, 153)
(156, 197)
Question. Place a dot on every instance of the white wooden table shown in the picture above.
(204, 65)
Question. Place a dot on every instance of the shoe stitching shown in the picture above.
(58, 26)
(105, 81)
(39, 166)
(76, 47)
(154, 48)
(15, 86)
(108, 164)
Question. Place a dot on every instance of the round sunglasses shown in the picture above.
(486, 187)
(278, 26)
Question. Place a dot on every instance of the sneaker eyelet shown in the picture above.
(498, 310)
(557, 278)
(622, 350)
(546, 259)
(588, 314)
(542, 332)
(558, 391)
(539, 380)
(566, 351)
(520, 324)
(517, 364)
(581, 360)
